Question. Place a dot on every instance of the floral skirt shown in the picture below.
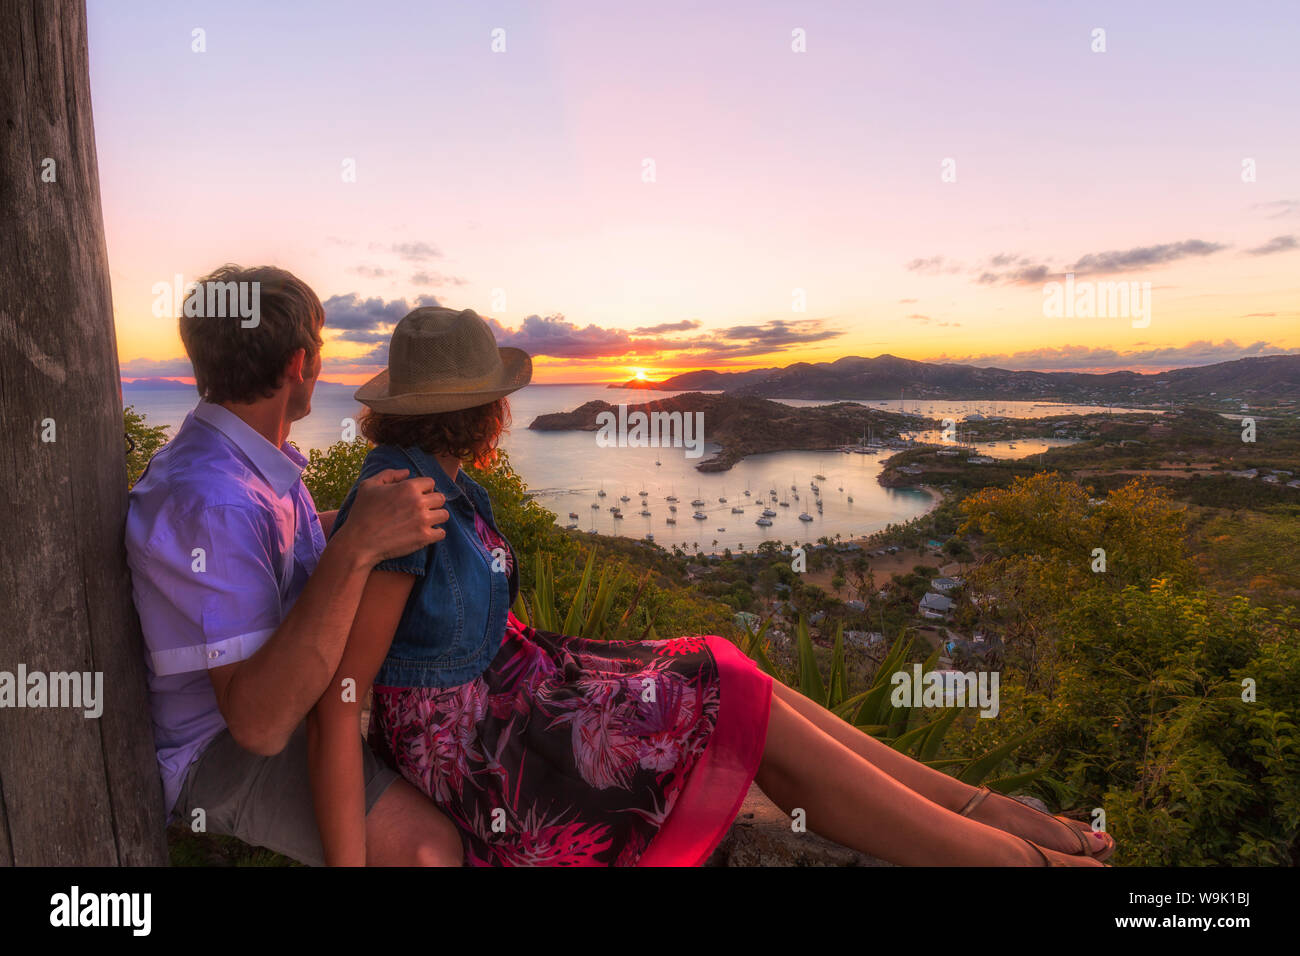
(575, 752)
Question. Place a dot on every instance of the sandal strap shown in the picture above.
(1047, 860)
(1084, 849)
(979, 797)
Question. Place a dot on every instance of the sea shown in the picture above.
(566, 471)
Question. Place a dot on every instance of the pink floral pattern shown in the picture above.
(565, 751)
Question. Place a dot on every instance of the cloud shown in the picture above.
(684, 325)
(1073, 358)
(1027, 271)
(414, 251)
(556, 336)
(350, 312)
(436, 279)
(1279, 208)
(370, 272)
(370, 321)
(1142, 257)
(1276, 244)
(933, 266)
(1025, 275)
(780, 332)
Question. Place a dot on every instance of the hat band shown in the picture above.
(457, 384)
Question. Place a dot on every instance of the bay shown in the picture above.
(565, 471)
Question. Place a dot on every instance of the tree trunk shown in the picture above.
(73, 789)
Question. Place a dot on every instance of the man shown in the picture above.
(245, 609)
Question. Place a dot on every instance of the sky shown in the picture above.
(644, 189)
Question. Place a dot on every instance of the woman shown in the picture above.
(550, 749)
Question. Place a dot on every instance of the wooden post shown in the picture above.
(73, 789)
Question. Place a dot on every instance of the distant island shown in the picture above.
(1264, 379)
(744, 425)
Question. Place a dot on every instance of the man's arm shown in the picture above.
(264, 697)
(327, 519)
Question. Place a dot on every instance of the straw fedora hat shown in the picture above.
(443, 360)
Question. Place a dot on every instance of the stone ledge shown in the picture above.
(761, 836)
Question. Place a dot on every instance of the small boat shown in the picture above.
(614, 509)
(805, 517)
(722, 529)
(700, 516)
(618, 514)
(571, 526)
(657, 462)
(671, 498)
(850, 499)
(769, 513)
(670, 520)
(643, 493)
(765, 522)
(624, 498)
(841, 487)
(820, 477)
(737, 511)
(574, 514)
(645, 512)
(601, 493)
(672, 508)
(785, 504)
(772, 492)
(698, 503)
(722, 500)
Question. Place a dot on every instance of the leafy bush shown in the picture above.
(142, 440)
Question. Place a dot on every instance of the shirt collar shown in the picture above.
(428, 466)
(280, 467)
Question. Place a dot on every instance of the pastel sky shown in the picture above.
(515, 182)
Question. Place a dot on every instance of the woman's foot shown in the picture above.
(1067, 837)
(1042, 856)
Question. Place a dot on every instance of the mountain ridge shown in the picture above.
(887, 376)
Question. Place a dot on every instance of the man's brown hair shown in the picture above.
(470, 434)
(239, 362)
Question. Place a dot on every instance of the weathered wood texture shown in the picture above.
(73, 790)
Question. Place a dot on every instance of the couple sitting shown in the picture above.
(267, 625)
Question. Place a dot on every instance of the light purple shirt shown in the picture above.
(221, 535)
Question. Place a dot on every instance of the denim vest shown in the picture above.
(455, 617)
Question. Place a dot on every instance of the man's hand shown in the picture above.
(264, 697)
(393, 515)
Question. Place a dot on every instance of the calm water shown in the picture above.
(566, 470)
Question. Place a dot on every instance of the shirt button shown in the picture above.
(213, 655)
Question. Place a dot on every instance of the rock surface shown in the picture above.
(762, 836)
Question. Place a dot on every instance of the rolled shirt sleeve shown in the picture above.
(220, 571)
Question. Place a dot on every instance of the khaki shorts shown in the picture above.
(266, 801)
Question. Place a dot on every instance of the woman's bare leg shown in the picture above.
(850, 800)
(936, 786)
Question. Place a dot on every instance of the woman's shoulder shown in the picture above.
(383, 457)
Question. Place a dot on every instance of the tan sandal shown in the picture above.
(1100, 856)
(1047, 860)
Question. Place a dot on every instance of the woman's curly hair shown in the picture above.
(470, 434)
